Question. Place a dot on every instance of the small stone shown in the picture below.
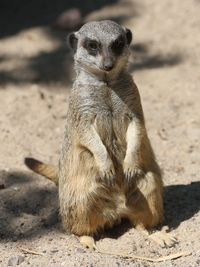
(42, 96)
(152, 250)
(54, 250)
(2, 186)
(134, 247)
(16, 188)
(15, 260)
(15, 238)
(198, 262)
(80, 250)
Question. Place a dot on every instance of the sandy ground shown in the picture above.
(35, 79)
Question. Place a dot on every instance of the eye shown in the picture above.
(92, 45)
(118, 45)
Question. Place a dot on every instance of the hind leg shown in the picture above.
(97, 222)
(90, 214)
(85, 228)
(146, 208)
(85, 224)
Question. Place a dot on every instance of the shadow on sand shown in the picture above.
(56, 66)
(29, 205)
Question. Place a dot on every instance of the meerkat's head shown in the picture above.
(101, 48)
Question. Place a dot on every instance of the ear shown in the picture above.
(72, 41)
(128, 36)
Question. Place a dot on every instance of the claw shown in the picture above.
(164, 239)
(111, 181)
(87, 242)
(108, 178)
(131, 174)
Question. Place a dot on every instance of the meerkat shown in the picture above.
(107, 169)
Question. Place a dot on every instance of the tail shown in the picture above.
(49, 171)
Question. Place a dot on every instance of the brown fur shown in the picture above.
(88, 204)
(49, 171)
(107, 168)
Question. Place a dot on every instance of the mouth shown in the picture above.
(106, 71)
(101, 70)
(103, 74)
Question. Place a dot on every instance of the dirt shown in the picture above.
(36, 73)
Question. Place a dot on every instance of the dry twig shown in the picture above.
(136, 257)
(29, 251)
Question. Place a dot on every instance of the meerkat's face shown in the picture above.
(101, 48)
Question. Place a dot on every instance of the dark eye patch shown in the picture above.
(118, 45)
(92, 46)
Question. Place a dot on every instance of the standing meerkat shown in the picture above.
(107, 169)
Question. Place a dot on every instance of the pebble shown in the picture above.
(80, 250)
(15, 260)
(54, 250)
(16, 188)
(2, 186)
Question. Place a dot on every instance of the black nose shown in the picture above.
(108, 66)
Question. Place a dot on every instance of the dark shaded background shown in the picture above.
(20, 14)
(55, 66)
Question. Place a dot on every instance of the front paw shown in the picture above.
(131, 173)
(107, 174)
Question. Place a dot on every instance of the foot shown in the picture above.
(87, 241)
(164, 238)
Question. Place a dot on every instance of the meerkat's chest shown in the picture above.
(121, 116)
(107, 109)
(112, 119)
(112, 108)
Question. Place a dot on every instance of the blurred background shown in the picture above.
(36, 67)
(36, 74)
(34, 36)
